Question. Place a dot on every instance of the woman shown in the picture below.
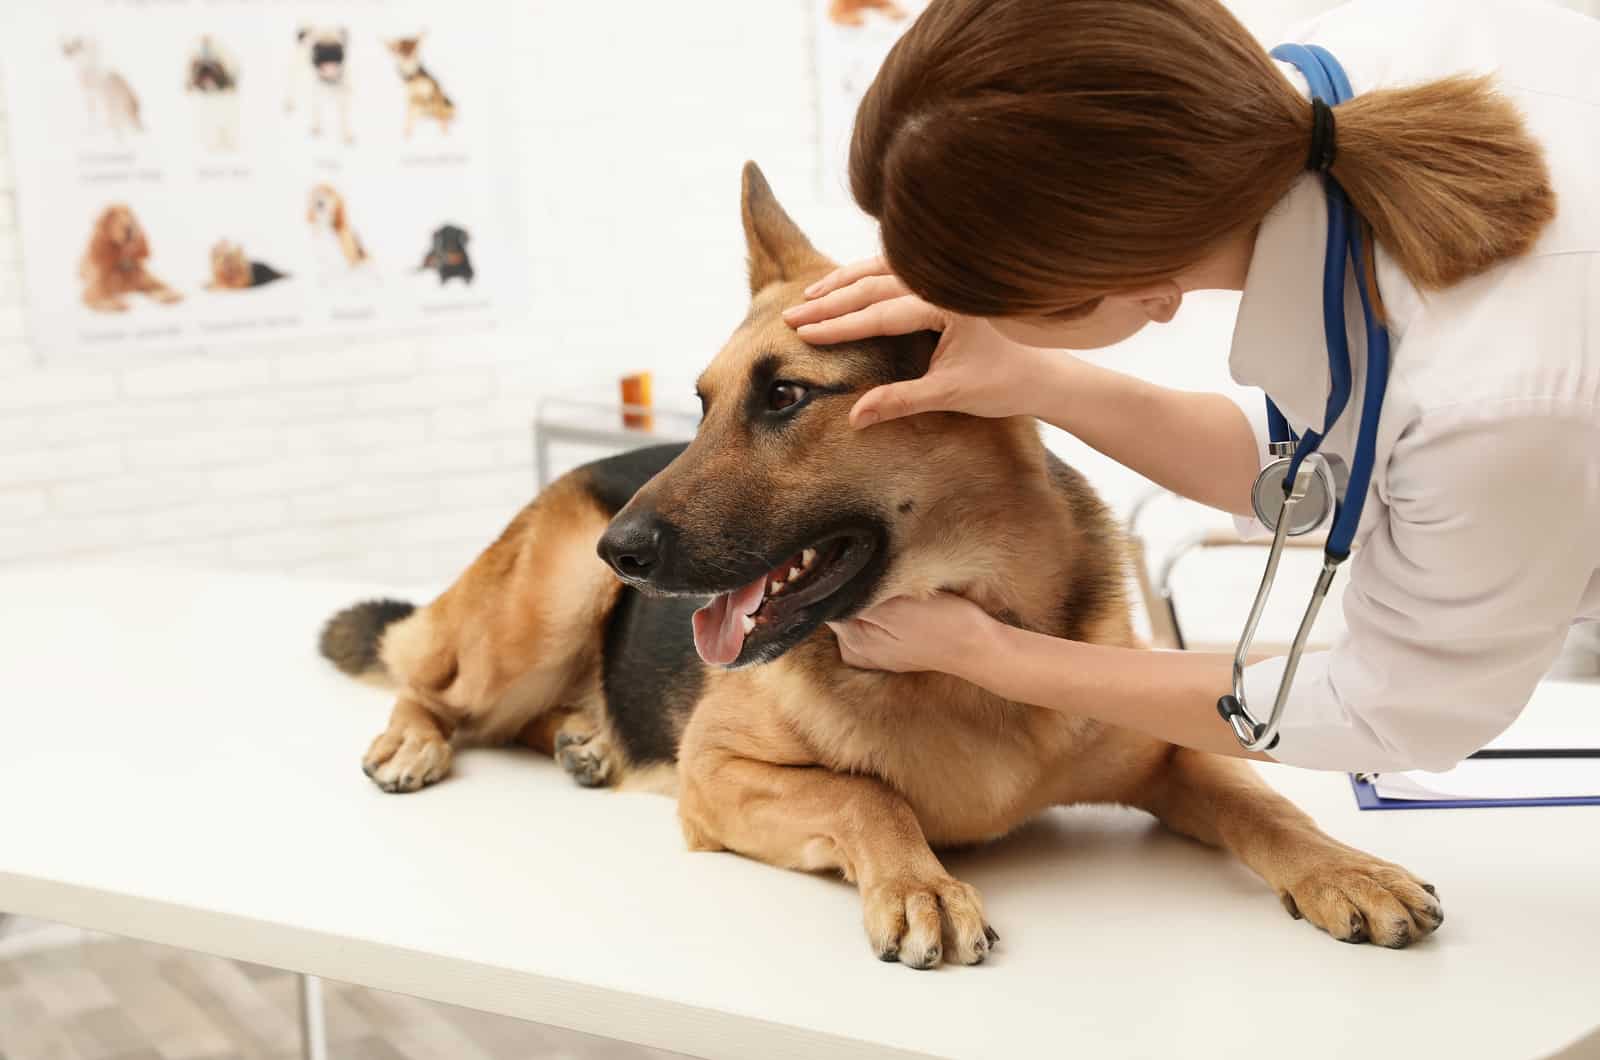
(1059, 173)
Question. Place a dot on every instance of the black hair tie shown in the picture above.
(1324, 139)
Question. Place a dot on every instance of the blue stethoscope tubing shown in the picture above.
(1329, 84)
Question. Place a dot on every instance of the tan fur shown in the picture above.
(336, 221)
(517, 636)
(113, 264)
(424, 97)
(809, 764)
(230, 269)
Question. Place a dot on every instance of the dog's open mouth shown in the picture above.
(770, 602)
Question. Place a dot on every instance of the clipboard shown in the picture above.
(1367, 797)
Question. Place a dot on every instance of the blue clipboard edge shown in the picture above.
(1367, 797)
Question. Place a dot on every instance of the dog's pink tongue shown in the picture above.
(719, 626)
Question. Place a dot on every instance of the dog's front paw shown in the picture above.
(1356, 898)
(407, 760)
(920, 921)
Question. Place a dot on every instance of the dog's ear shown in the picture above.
(101, 248)
(139, 244)
(779, 251)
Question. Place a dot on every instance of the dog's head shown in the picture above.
(778, 510)
(118, 239)
(229, 265)
(325, 208)
(449, 239)
(405, 48)
(209, 71)
(325, 46)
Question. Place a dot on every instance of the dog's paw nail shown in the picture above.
(991, 934)
(1399, 935)
(1430, 889)
(1289, 905)
(889, 954)
(929, 957)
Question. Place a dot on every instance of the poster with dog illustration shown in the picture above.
(852, 38)
(235, 172)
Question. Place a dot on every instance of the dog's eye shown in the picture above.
(785, 395)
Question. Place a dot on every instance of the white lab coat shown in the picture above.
(1480, 541)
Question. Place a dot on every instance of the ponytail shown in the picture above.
(1447, 176)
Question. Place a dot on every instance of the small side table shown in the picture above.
(594, 416)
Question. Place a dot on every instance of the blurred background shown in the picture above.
(393, 459)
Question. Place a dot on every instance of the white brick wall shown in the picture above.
(397, 460)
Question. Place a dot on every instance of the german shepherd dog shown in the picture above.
(424, 98)
(738, 548)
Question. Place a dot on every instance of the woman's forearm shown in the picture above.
(1169, 695)
(1197, 445)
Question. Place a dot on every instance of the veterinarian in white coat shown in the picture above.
(1479, 543)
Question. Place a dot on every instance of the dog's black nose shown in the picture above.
(632, 545)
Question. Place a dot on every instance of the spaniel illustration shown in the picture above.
(231, 270)
(106, 93)
(113, 265)
(330, 222)
(853, 12)
(322, 76)
(424, 98)
(213, 84)
(447, 254)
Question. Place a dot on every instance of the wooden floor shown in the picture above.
(118, 999)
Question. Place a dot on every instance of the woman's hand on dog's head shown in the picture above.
(973, 370)
(862, 300)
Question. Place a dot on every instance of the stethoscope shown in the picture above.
(1294, 493)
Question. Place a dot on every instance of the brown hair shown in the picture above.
(1031, 156)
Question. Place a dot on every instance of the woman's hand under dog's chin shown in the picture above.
(946, 633)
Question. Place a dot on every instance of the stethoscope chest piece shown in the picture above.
(1328, 479)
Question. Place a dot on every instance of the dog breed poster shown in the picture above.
(235, 172)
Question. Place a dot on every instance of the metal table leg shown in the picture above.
(313, 1020)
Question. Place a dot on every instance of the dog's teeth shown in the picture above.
(808, 557)
(794, 574)
(777, 586)
(749, 624)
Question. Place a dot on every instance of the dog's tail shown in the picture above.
(350, 639)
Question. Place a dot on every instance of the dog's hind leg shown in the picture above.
(574, 739)
(504, 654)
(1351, 895)
(413, 752)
